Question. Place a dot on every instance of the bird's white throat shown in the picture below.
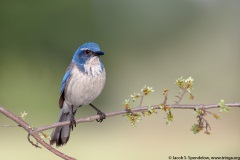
(93, 66)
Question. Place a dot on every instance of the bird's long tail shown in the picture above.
(60, 135)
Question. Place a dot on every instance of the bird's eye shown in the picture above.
(87, 51)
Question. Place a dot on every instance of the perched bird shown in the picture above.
(82, 83)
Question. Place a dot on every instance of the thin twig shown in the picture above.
(5, 125)
(140, 104)
(181, 96)
(30, 141)
(165, 98)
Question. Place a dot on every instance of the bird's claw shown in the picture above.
(72, 122)
(101, 115)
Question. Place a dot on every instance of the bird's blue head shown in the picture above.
(86, 52)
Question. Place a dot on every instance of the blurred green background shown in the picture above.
(146, 42)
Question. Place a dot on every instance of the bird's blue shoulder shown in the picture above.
(64, 83)
(66, 77)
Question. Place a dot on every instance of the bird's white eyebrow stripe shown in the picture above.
(84, 49)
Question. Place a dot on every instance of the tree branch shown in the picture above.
(134, 110)
(31, 131)
(34, 132)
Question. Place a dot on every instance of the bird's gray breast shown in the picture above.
(84, 87)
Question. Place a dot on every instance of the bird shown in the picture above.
(82, 83)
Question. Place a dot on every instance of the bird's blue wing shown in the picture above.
(64, 83)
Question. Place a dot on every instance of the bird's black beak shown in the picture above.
(99, 53)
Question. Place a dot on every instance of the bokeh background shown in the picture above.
(146, 43)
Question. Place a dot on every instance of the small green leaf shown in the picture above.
(217, 116)
(223, 107)
(135, 96)
(169, 116)
(146, 90)
(133, 118)
(151, 110)
(195, 128)
(23, 115)
(197, 111)
(185, 83)
(126, 104)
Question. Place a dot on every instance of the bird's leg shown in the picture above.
(100, 113)
(72, 119)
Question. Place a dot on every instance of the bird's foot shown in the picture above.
(72, 122)
(101, 115)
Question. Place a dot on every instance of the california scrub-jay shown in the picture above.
(82, 83)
